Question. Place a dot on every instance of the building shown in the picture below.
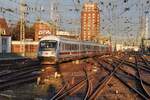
(67, 34)
(5, 44)
(90, 22)
(3, 26)
(43, 29)
(121, 47)
(31, 48)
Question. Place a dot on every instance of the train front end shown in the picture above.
(47, 53)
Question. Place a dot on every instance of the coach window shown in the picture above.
(62, 44)
(65, 46)
(80, 46)
(72, 48)
(76, 47)
(69, 47)
(102, 48)
(83, 47)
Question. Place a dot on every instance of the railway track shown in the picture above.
(127, 73)
(120, 76)
(89, 87)
(65, 91)
(102, 84)
(145, 87)
(24, 73)
(113, 66)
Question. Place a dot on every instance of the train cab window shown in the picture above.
(47, 44)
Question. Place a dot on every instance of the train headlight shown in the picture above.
(42, 70)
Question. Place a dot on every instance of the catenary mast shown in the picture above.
(22, 27)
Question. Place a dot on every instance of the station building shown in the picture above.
(43, 29)
(67, 34)
(5, 39)
(31, 46)
(5, 44)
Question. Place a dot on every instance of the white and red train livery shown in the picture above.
(53, 49)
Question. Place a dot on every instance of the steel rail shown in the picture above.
(59, 92)
(128, 73)
(72, 89)
(104, 82)
(18, 75)
(89, 90)
(145, 61)
(75, 88)
(143, 86)
(89, 86)
(19, 80)
(133, 64)
(124, 82)
(17, 71)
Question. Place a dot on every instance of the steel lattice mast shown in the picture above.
(22, 27)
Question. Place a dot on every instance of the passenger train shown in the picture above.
(53, 49)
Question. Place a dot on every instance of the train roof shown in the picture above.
(59, 38)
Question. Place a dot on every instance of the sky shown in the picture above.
(119, 18)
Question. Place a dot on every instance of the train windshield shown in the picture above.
(48, 45)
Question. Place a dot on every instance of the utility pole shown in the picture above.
(22, 27)
(146, 25)
(54, 14)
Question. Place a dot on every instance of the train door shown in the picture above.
(5, 44)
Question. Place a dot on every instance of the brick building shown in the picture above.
(90, 22)
(31, 48)
(43, 29)
(3, 26)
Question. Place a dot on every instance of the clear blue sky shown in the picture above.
(121, 18)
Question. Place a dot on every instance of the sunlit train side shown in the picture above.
(53, 49)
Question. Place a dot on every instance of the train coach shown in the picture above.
(53, 49)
